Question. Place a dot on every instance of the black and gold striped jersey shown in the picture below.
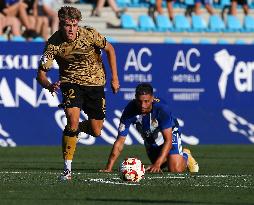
(80, 60)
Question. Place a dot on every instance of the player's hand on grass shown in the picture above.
(53, 87)
(153, 169)
(115, 85)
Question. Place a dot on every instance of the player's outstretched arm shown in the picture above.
(110, 51)
(167, 135)
(115, 152)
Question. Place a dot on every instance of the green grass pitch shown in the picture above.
(29, 175)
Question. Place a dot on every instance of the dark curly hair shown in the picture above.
(144, 89)
(69, 12)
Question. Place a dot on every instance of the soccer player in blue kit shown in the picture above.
(160, 131)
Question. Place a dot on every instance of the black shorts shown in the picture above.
(91, 99)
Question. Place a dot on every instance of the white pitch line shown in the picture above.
(115, 180)
(164, 176)
(26, 172)
(199, 176)
(100, 180)
(225, 186)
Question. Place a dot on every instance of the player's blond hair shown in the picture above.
(69, 12)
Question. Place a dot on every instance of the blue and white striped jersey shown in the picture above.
(149, 125)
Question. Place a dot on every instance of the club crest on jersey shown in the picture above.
(139, 118)
(156, 99)
(154, 124)
(121, 127)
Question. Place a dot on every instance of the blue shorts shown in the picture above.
(153, 151)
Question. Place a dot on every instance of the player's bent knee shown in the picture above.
(177, 168)
(96, 127)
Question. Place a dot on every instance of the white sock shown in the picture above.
(67, 164)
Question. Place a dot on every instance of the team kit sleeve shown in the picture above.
(125, 123)
(100, 40)
(47, 58)
(165, 119)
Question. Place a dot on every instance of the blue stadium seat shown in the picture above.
(186, 41)
(169, 40)
(251, 4)
(216, 24)
(181, 23)
(123, 3)
(127, 22)
(18, 39)
(137, 3)
(240, 42)
(2, 38)
(146, 23)
(205, 41)
(111, 40)
(222, 41)
(189, 2)
(233, 24)
(163, 23)
(248, 23)
(224, 3)
(198, 23)
(38, 39)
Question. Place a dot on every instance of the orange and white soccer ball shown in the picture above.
(132, 170)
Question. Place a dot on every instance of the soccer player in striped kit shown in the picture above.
(160, 131)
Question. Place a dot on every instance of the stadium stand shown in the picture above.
(187, 41)
(216, 24)
(2, 38)
(233, 24)
(146, 23)
(163, 23)
(140, 16)
(18, 39)
(240, 42)
(111, 40)
(205, 41)
(224, 3)
(163, 28)
(189, 3)
(124, 3)
(222, 41)
(127, 22)
(169, 40)
(38, 39)
(198, 23)
(181, 23)
(248, 24)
